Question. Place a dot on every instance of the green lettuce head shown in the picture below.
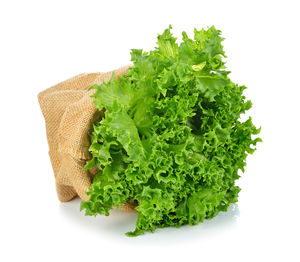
(171, 139)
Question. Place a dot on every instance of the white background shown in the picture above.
(45, 42)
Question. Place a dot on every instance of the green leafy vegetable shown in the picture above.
(171, 139)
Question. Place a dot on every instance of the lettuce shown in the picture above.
(171, 139)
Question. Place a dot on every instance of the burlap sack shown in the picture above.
(69, 113)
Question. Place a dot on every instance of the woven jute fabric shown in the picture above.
(69, 113)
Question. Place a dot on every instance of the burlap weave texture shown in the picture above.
(69, 113)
